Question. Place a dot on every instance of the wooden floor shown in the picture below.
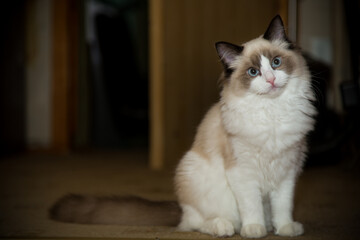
(327, 197)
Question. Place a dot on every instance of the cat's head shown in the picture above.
(262, 66)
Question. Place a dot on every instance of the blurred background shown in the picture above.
(138, 75)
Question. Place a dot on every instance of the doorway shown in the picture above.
(113, 83)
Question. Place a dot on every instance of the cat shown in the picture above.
(240, 173)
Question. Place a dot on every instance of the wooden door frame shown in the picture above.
(156, 160)
(65, 36)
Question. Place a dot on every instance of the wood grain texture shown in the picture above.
(64, 72)
(157, 85)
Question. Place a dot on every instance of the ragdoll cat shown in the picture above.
(240, 173)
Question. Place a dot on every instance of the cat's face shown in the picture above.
(262, 66)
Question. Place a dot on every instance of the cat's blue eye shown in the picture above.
(276, 62)
(253, 72)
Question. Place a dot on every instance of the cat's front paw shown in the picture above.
(218, 227)
(253, 231)
(291, 230)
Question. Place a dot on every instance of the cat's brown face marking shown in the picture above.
(242, 72)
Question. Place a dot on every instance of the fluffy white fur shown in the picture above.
(240, 173)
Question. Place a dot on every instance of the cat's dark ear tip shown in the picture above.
(218, 44)
(277, 16)
(278, 19)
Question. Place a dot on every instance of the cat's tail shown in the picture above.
(115, 210)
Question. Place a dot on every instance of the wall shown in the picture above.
(38, 74)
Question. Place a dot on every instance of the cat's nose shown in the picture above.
(270, 78)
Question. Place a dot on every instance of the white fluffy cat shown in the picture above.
(240, 173)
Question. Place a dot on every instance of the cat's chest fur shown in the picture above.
(272, 125)
(266, 135)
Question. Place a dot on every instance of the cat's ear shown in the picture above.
(228, 52)
(276, 30)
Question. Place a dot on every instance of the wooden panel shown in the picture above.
(64, 73)
(190, 64)
(157, 85)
